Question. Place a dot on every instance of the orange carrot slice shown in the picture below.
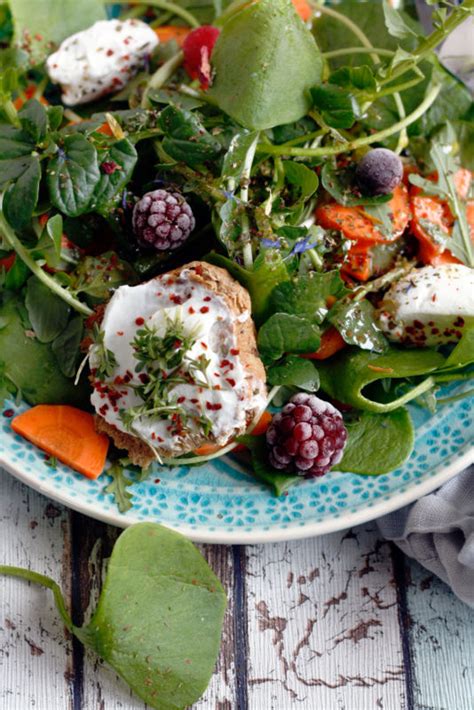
(66, 433)
(260, 428)
(331, 342)
(303, 9)
(358, 226)
(166, 33)
(207, 450)
(28, 94)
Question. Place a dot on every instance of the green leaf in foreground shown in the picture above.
(52, 21)
(463, 353)
(159, 616)
(262, 469)
(377, 443)
(294, 372)
(306, 296)
(337, 107)
(285, 333)
(352, 377)
(47, 312)
(66, 346)
(265, 60)
(72, 175)
(355, 321)
(116, 168)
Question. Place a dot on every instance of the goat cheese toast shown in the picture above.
(176, 364)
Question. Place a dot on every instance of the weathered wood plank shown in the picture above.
(35, 650)
(325, 633)
(441, 632)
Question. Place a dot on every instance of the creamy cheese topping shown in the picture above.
(429, 306)
(220, 393)
(101, 59)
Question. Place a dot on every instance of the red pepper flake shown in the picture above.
(157, 480)
(176, 299)
(169, 282)
(180, 400)
(198, 269)
(8, 413)
(119, 332)
(139, 321)
(159, 293)
(213, 407)
(191, 310)
(230, 381)
(103, 409)
(194, 401)
(119, 380)
(204, 309)
(207, 299)
(177, 344)
(234, 351)
(143, 377)
(204, 345)
(109, 53)
(117, 82)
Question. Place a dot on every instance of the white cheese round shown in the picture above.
(223, 393)
(101, 59)
(430, 306)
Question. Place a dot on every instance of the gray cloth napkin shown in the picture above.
(438, 531)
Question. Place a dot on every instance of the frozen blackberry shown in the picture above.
(307, 437)
(162, 219)
(379, 172)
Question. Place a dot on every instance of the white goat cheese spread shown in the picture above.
(101, 59)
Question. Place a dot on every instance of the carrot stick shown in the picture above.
(66, 433)
(303, 9)
(260, 428)
(331, 342)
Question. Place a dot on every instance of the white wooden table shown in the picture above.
(343, 622)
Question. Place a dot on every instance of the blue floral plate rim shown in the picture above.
(221, 503)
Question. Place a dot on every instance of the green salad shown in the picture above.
(232, 228)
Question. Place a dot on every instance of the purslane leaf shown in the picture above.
(116, 168)
(355, 321)
(265, 60)
(186, 139)
(21, 198)
(34, 120)
(72, 175)
(294, 372)
(284, 333)
(14, 142)
(47, 312)
(66, 346)
(338, 108)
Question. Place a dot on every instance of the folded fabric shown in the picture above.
(438, 531)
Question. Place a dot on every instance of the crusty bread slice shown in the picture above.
(218, 281)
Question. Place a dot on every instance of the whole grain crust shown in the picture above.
(220, 282)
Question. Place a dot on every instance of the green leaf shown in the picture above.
(265, 60)
(186, 139)
(21, 198)
(17, 275)
(73, 175)
(284, 333)
(121, 159)
(48, 246)
(348, 375)
(337, 107)
(306, 296)
(12, 169)
(294, 372)
(51, 21)
(97, 276)
(159, 617)
(118, 487)
(268, 271)
(55, 117)
(32, 366)
(261, 467)
(355, 321)
(14, 142)
(395, 23)
(47, 312)
(34, 120)
(234, 160)
(355, 78)
(377, 443)
(66, 346)
(301, 177)
(463, 353)
(341, 184)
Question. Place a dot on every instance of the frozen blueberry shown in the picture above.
(379, 172)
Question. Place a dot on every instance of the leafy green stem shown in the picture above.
(13, 241)
(244, 197)
(161, 5)
(455, 398)
(457, 16)
(357, 50)
(11, 112)
(47, 582)
(358, 142)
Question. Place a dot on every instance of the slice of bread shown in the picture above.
(217, 281)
